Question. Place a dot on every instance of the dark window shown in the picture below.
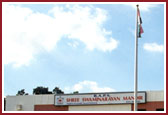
(4, 104)
(160, 109)
(141, 109)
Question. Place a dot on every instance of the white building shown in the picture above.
(110, 101)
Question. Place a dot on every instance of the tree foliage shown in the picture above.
(56, 90)
(21, 92)
(75, 92)
(41, 90)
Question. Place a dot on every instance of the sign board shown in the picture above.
(99, 98)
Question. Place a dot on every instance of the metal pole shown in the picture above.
(136, 64)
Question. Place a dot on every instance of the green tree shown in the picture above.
(21, 92)
(41, 90)
(75, 92)
(56, 90)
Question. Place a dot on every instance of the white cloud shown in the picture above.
(73, 44)
(27, 33)
(153, 47)
(88, 86)
(142, 6)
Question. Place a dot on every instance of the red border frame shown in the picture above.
(83, 0)
(77, 1)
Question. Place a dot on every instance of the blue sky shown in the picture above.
(81, 47)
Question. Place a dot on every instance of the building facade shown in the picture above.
(113, 101)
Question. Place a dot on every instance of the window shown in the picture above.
(141, 109)
(160, 109)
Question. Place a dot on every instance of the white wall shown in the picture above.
(27, 101)
(121, 107)
(155, 96)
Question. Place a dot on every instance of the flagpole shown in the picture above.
(136, 64)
